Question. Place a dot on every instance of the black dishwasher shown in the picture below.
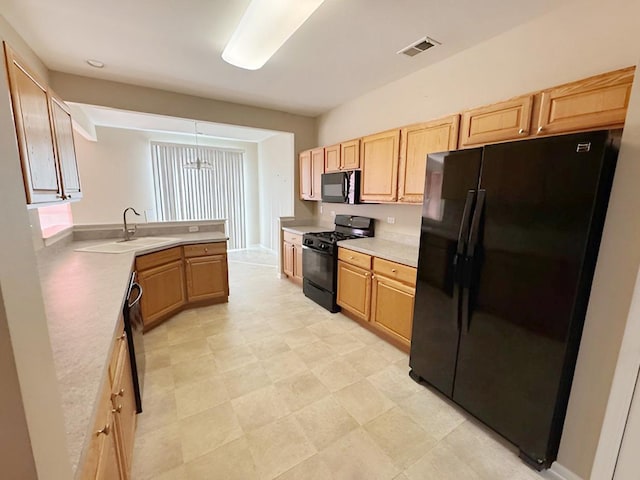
(133, 327)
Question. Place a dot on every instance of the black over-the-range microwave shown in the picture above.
(341, 187)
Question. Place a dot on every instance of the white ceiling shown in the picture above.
(345, 49)
(109, 117)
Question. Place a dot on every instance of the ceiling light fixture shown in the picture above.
(263, 29)
(95, 63)
(197, 164)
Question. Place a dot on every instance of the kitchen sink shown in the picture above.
(124, 247)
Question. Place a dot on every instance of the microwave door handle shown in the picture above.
(345, 190)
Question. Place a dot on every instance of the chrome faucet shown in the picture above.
(128, 232)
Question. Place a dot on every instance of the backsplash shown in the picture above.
(406, 226)
(105, 231)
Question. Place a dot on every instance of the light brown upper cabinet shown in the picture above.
(344, 156)
(33, 129)
(305, 174)
(332, 158)
(350, 155)
(496, 123)
(65, 148)
(311, 170)
(595, 102)
(417, 141)
(379, 163)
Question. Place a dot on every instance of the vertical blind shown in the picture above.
(205, 194)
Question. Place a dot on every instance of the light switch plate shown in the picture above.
(391, 220)
(193, 229)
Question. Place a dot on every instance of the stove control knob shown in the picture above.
(324, 246)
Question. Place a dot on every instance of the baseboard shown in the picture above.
(560, 472)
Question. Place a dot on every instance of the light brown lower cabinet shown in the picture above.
(178, 277)
(207, 277)
(378, 291)
(164, 291)
(392, 307)
(354, 290)
(110, 449)
(292, 256)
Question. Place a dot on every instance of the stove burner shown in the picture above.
(332, 237)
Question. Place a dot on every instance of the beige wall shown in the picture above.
(15, 447)
(74, 88)
(116, 173)
(23, 320)
(578, 39)
(276, 186)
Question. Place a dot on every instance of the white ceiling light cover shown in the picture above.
(263, 29)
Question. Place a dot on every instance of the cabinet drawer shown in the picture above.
(395, 271)
(361, 260)
(204, 249)
(293, 238)
(159, 258)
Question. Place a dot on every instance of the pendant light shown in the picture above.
(197, 164)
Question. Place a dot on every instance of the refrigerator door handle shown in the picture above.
(459, 259)
(467, 271)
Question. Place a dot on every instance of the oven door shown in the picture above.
(319, 268)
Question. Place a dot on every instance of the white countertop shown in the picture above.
(83, 295)
(387, 249)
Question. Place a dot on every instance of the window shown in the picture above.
(200, 194)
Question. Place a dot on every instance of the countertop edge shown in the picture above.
(352, 245)
(302, 229)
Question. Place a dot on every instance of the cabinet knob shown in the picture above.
(393, 270)
(206, 250)
(367, 275)
(540, 129)
(123, 336)
(118, 409)
(350, 258)
(104, 430)
(521, 131)
(119, 394)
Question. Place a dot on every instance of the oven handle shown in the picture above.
(315, 250)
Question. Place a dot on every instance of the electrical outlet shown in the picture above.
(391, 220)
(193, 229)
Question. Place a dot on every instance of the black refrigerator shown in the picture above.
(509, 241)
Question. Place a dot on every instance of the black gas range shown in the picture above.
(320, 258)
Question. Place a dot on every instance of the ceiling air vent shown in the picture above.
(419, 46)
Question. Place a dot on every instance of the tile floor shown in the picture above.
(271, 386)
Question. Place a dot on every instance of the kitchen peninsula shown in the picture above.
(83, 296)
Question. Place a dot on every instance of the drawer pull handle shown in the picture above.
(393, 270)
(350, 258)
(104, 430)
(123, 336)
(540, 129)
(118, 409)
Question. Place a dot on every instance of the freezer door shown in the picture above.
(451, 182)
(539, 201)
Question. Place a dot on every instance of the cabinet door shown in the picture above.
(350, 155)
(498, 122)
(65, 148)
(124, 409)
(164, 291)
(305, 175)
(379, 163)
(297, 262)
(392, 307)
(33, 129)
(354, 290)
(207, 277)
(108, 462)
(317, 169)
(332, 158)
(417, 141)
(596, 102)
(288, 258)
